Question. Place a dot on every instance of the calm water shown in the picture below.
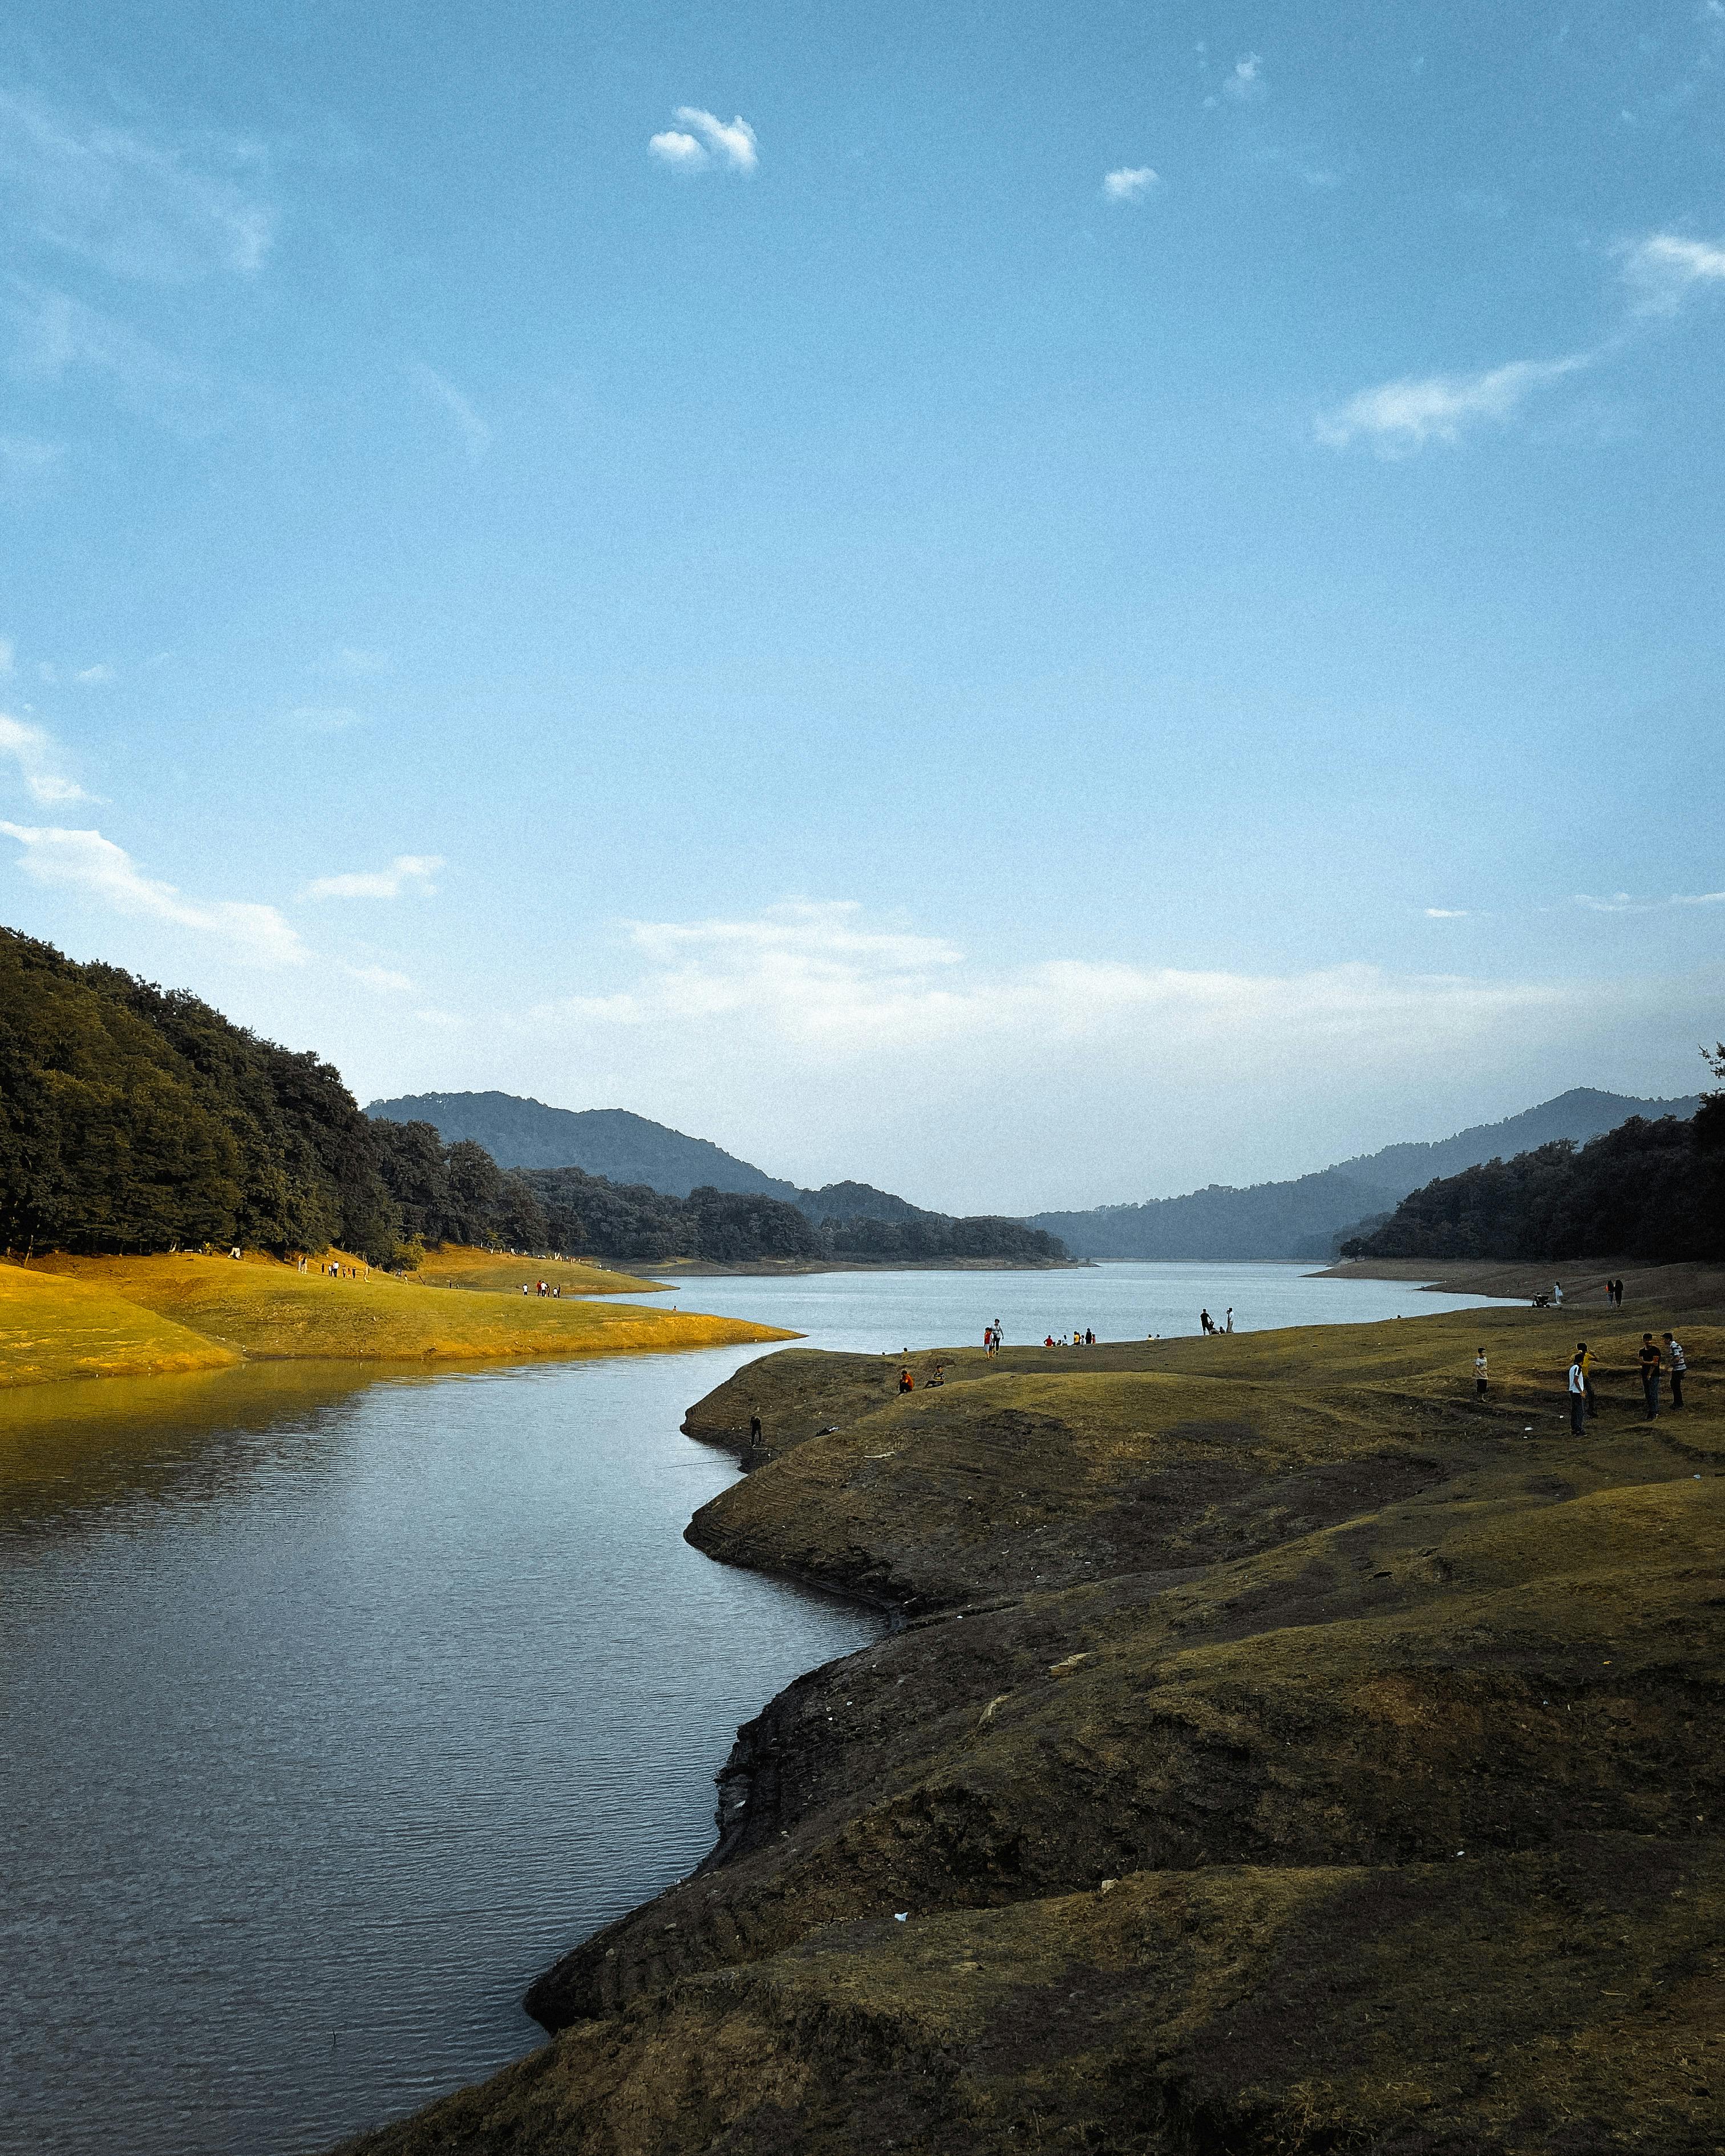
(880, 1313)
(333, 1711)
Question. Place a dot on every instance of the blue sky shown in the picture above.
(1036, 605)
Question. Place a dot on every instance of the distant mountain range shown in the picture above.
(627, 1149)
(1305, 1218)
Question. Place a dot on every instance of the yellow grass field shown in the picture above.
(130, 1316)
(52, 1328)
(492, 1272)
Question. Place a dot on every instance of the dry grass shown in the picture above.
(52, 1328)
(491, 1272)
(1286, 1755)
(213, 1309)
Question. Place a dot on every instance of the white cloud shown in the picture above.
(674, 147)
(1446, 913)
(1665, 269)
(1698, 898)
(93, 677)
(381, 978)
(160, 214)
(1246, 84)
(1130, 183)
(85, 862)
(33, 752)
(1400, 417)
(406, 874)
(1619, 902)
(703, 139)
(475, 434)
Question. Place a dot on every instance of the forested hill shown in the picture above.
(136, 1118)
(611, 1142)
(628, 1149)
(1302, 1219)
(1654, 1191)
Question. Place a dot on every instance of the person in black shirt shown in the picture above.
(1650, 1360)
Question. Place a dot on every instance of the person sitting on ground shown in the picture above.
(906, 1383)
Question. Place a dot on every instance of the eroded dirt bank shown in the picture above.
(1281, 1751)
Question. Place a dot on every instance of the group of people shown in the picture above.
(1206, 1323)
(1085, 1339)
(544, 1288)
(1654, 1362)
(1614, 1294)
(991, 1338)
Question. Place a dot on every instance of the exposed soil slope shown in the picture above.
(1283, 1753)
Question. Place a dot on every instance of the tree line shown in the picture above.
(1655, 1191)
(136, 1119)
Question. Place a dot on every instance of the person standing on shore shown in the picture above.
(1556, 1293)
(1228, 1322)
(1675, 1359)
(1649, 1358)
(1479, 1375)
(1206, 1323)
(1578, 1400)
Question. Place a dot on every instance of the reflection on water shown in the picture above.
(334, 1711)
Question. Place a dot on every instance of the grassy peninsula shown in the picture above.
(1281, 1751)
(68, 1316)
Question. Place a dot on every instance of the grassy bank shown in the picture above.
(1284, 1752)
(134, 1316)
(52, 1328)
(493, 1272)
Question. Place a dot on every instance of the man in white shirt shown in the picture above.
(1577, 1399)
(1675, 1367)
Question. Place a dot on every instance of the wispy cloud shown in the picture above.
(1245, 84)
(1666, 269)
(33, 749)
(1400, 417)
(1624, 902)
(1130, 183)
(93, 677)
(355, 664)
(156, 211)
(57, 335)
(407, 874)
(95, 867)
(701, 139)
(23, 453)
(475, 434)
(325, 718)
(1447, 913)
(383, 979)
(816, 975)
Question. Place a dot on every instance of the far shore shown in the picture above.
(776, 1268)
(1583, 1279)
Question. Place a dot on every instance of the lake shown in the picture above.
(336, 1707)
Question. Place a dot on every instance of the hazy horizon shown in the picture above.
(1035, 610)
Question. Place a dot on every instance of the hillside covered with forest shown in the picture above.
(136, 1119)
(1648, 1190)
